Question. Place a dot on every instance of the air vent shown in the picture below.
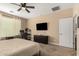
(56, 8)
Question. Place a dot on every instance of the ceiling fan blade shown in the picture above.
(30, 7)
(19, 9)
(27, 10)
(15, 4)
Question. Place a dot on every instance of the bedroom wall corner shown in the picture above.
(23, 24)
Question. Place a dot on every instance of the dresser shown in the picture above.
(41, 39)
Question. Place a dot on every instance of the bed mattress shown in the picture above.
(18, 47)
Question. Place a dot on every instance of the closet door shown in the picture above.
(66, 32)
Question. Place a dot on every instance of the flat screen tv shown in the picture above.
(41, 26)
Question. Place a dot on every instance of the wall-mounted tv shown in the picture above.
(41, 26)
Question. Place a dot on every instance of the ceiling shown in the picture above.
(40, 9)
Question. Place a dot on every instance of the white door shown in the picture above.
(66, 32)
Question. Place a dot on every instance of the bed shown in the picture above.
(18, 47)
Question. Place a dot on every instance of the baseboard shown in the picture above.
(51, 43)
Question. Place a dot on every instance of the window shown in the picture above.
(9, 26)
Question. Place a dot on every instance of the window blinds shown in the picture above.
(9, 26)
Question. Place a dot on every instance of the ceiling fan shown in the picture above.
(24, 5)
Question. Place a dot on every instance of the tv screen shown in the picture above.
(41, 26)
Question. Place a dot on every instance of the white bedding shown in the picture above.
(18, 47)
